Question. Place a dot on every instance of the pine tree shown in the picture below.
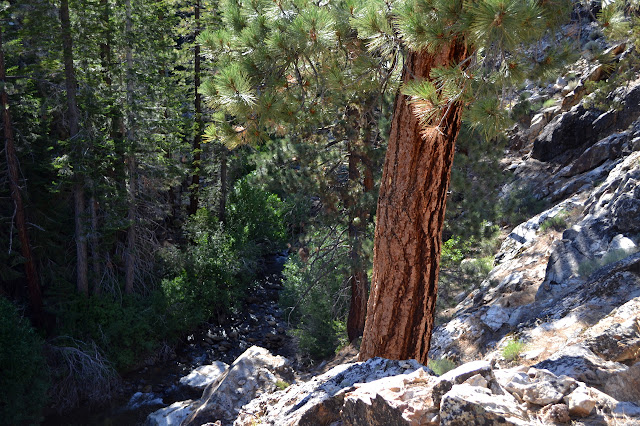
(296, 68)
(456, 50)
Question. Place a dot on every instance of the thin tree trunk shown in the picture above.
(82, 281)
(105, 46)
(195, 179)
(33, 284)
(223, 184)
(131, 163)
(95, 245)
(131, 232)
(105, 61)
(410, 216)
(358, 279)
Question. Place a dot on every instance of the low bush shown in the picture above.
(556, 223)
(24, 376)
(477, 268)
(513, 349)
(518, 205)
(316, 297)
(588, 267)
(125, 329)
(255, 217)
(441, 365)
(81, 374)
(205, 279)
(454, 251)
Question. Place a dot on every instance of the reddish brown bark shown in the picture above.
(33, 285)
(410, 215)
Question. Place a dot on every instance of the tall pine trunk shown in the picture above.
(410, 216)
(82, 281)
(195, 179)
(130, 258)
(13, 167)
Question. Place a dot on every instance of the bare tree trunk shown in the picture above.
(82, 281)
(105, 61)
(95, 245)
(358, 279)
(131, 232)
(357, 151)
(223, 184)
(130, 259)
(195, 179)
(410, 216)
(33, 284)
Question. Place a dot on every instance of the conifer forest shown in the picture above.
(168, 164)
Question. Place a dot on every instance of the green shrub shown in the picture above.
(513, 349)
(255, 217)
(125, 329)
(205, 279)
(23, 372)
(557, 223)
(518, 205)
(588, 267)
(477, 267)
(282, 385)
(454, 251)
(316, 297)
(523, 108)
(441, 366)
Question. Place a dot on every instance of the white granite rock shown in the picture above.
(202, 376)
(580, 402)
(172, 415)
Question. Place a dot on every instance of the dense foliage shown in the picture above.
(23, 377)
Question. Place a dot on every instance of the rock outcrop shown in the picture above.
(319, 400)
(254, 372)
(382, 392)
(204, 375)
(173, 415)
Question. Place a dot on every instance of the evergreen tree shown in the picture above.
(457, 50)
(296, 68)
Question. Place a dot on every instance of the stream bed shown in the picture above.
(260, 322)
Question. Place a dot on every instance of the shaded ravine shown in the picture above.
(259, 322)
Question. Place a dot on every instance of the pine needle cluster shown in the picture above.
(497, 33)
(291, 64)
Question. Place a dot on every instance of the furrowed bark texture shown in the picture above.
(410, 215)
